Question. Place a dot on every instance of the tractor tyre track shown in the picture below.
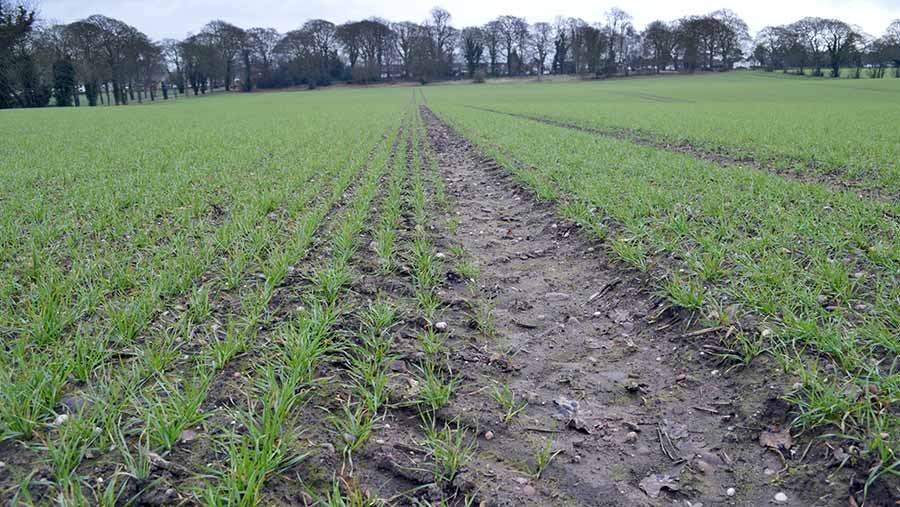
(604, 366)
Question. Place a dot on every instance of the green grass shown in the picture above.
(842, 127)
(124, 231)
(818, 267)
(155, 257)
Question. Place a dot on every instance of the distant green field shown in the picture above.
(844, 127)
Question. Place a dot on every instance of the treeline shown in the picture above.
(110, 62)
(817, 43)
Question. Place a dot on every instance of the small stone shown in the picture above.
(529, 490)
(730, 492)
(705, 467)
(780, 497)
(441, 326)
(488, 435)
(439, 255)
(631, 437)
(73, 404)
(188, 436)
(60, 419)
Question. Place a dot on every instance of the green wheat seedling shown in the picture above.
(508, 403)
(431, 342)
(386, 249)
(110, 492)
(329, 281)
(543, 456)
(483, 317)
(467, 270)
(168, 413)
(449, 449)
(427, 302)
(305, 345)
(28, 397)
(353, 427)
(89, 354)
(453, 226)
(74, 439)
(379, 317)
(632, 253)
(222, 350)
(159, 353)
(137, 462)
(687, 293)
(434, 391)
(370, 380)
(344, 493)
(425, 263)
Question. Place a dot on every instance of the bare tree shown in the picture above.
(404, 36)
(617, 23)
(262, 43)
(541, 40)
(732, 35)
(561, 43)
(891, 41)
(472, 41)
(660, 39)
(839, 38)
(492, 39)
(443, 35)
(513, 30)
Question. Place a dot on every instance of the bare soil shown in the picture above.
(609, 375)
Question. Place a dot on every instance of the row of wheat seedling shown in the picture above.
(449, 445)
(38, 368)
(815, 269)
(266, 439)
(166, 406)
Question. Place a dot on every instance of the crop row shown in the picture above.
(121, 380)
(789, 268)
(836, 129)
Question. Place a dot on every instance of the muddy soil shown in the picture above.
(639, 413)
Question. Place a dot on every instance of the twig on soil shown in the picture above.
(707, 409)
(664, 439)
(606, 288)
(541, 430)
(806, 451)
(701, 332)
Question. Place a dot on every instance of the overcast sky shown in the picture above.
(175, 18)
